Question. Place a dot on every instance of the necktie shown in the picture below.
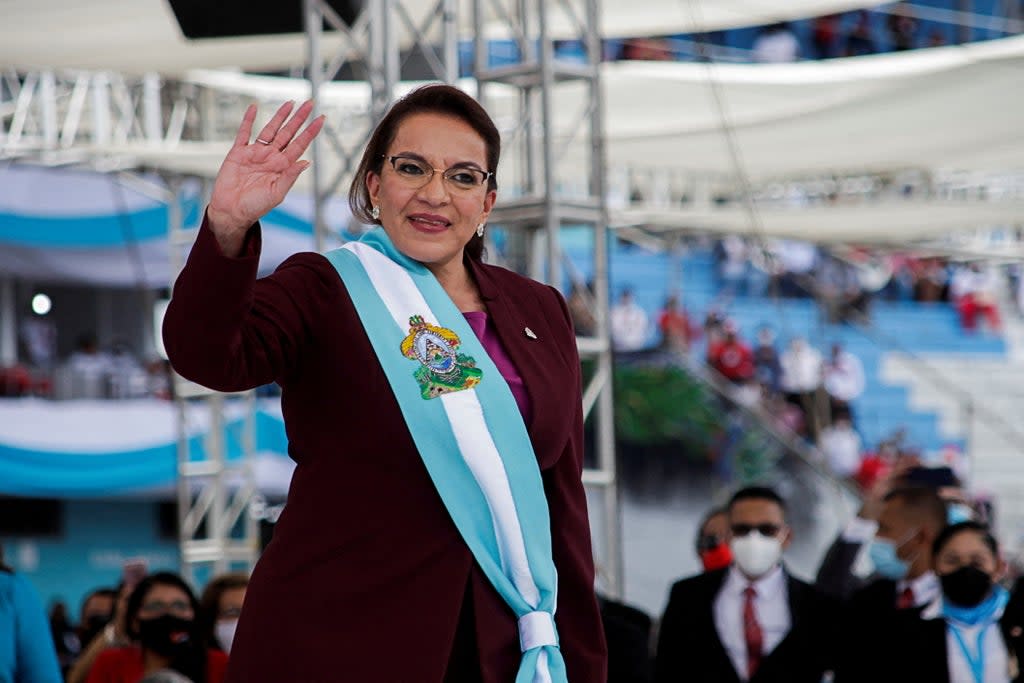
(751, 632)
(906, 599)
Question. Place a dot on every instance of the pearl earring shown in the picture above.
(480, 230)
(375, 212)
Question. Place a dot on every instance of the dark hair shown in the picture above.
(436, 98)
(757, 493)
(99, 593)
(4, 567)
(193, 664)
(209, 602)
(713, 512)
(923, 502)
(947, 534)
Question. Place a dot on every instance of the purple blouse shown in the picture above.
(488, 336)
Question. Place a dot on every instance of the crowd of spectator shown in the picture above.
(799, 389)
(893, 28)
(939, 601)
(150, 627)
(88, 372)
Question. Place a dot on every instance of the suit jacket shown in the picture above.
(869, 618)
(628, 632)
(690, 651)
(835, 575)
(918, 649)
(366, 576)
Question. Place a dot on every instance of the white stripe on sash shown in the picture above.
(403, 300)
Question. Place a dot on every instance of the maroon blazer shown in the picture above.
(366, 576)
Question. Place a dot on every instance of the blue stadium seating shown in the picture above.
(898, 326)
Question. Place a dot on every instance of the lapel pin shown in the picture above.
(529, 333)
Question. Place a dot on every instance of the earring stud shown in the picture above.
(375, 212)
(480, 230)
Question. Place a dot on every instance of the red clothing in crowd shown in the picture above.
(733, 359)
(675, 329)
(124, 665)
(872, 468)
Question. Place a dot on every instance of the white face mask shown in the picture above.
(225, 632)
(755, 554)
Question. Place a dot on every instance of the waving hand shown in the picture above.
(256, 175)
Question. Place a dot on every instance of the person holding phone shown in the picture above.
(115, 633)
(162, 623)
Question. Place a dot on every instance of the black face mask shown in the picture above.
(92, 626)
(966, 587)
(167, 636)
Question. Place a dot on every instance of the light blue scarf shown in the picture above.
(984, 614)
(472, 439)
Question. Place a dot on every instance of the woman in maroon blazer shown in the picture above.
(367, 578)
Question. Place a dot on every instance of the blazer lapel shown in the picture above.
(537, 360)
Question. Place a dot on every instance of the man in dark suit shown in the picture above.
(752, 621)
(911, 519)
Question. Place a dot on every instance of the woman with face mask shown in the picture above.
(221, 605)
(161, 618)
(966, 635)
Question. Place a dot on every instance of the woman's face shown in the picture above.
(967, 548)
(230, 604)
(432, 223)
(162, 599)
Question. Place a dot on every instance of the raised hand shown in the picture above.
(256, 176)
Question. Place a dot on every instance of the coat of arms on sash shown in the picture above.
(442, 368)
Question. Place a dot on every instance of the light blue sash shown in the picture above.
(473, 441)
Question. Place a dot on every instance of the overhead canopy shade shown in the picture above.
(950, 107)
(878, 222)
(942, 107)
(144, 35)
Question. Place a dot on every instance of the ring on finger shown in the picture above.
(263, 142)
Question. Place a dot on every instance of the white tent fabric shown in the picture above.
(942, 107)
(143, 35)
(890, 221)
(68, 226)
(949, 107)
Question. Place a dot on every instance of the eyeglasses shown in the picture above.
(763, 529)
(178, 607)
(417, 173)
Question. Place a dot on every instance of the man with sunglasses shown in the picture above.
(751, 621)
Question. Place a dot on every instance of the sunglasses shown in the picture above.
(763, 529)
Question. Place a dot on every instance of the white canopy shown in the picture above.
(143, 35)
(890, 221)
(949, 107)
(941, 107)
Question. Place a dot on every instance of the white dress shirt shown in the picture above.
(997, 662)
(771, 605)
(629, 326)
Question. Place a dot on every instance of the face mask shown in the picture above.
(225, 632)
(93, 624)
(167, 635)
(718, 557)
(966, 587)
(958, 512)
(755, 554)
(887, 563)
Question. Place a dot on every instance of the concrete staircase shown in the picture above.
(979, 398)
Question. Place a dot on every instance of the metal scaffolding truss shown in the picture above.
(538, 201)
(113, 123)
